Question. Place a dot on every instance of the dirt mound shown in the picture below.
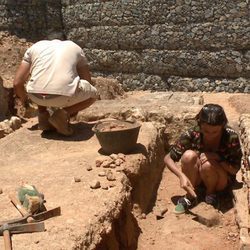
(12, 50)
(108, 88)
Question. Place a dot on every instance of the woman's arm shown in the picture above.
(229, 168)
(184, 181)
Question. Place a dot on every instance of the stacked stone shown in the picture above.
(178, 44)
(245, 139)
(32, 19)
(245, 169)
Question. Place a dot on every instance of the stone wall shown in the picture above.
(32, 19)
(178, 45)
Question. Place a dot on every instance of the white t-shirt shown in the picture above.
(53, 67)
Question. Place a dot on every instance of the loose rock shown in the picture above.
(110, 176)
(77, 179)
(112, 165)
(99, 160)
(105, 186)
(15, 122)
(102, 173)
(106, 163)
(114, 156)
(89, 168)
(95, 184)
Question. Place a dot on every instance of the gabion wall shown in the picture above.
(178, 45)
(32, 19)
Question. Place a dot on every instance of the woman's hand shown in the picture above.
(186, 184)
(209, 156)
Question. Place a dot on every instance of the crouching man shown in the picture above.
(58, 76)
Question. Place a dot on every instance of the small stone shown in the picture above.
(105, 186)
(163, 210)
(106, 163)
(118, 162)
(95, 184)
(143, 216)
(122, 156)
(112, 165)
(102, 174)
(114, 156)
(1, 190)
(89, 168)
(77, 179)
(110, 176)
(111, 185)
(36, 242)
(99, 160)
(98, 163)
(15, 122)
(159, 211)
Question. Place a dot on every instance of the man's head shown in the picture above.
(51, 35)
(212, 114)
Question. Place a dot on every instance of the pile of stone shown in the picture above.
(8, 126)
(109, 167)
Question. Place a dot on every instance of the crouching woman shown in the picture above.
(210, 156)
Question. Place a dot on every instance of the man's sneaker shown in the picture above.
(212, 199)
(60, 120)
(43, 121)
(183, 205)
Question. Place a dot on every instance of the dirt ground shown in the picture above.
(170, 232)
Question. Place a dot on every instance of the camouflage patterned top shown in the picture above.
(229, 149)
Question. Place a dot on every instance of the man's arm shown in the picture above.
(20, 79)
(83, 70)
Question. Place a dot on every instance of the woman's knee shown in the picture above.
(207, 170)
(189, 157)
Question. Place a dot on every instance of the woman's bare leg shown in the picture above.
(190, 167)
(213, 176)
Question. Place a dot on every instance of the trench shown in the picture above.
(125, 229)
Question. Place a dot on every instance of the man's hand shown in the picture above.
(20, 79)
(187, 186)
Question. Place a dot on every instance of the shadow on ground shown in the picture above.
(82, 132)
(225, 198)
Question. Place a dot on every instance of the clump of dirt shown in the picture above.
(108, 88)
(113, 127)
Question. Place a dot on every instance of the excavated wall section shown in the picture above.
(243, 206)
